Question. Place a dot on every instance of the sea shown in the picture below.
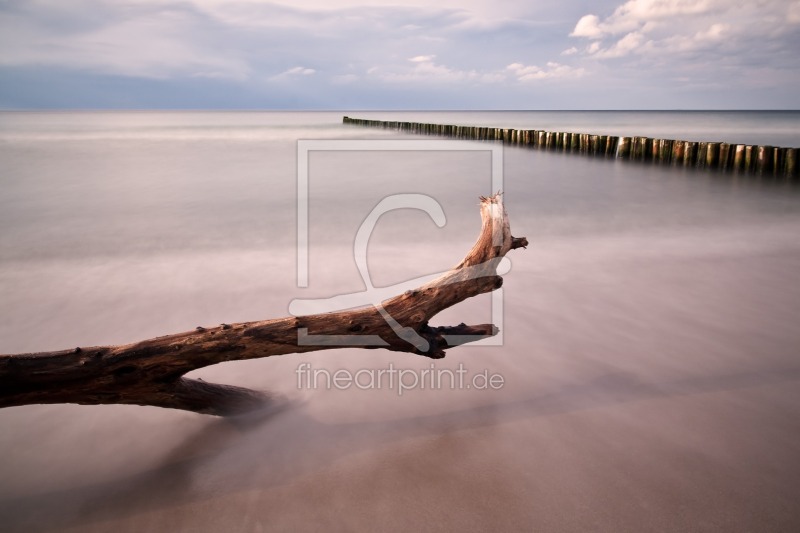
(646, 375)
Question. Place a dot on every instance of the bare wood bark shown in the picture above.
(151, 372)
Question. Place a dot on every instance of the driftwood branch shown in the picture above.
(151, 372)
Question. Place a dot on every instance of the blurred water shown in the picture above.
(650, 342)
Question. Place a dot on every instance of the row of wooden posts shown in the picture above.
(741, 158)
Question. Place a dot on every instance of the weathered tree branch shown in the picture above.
(151, 372)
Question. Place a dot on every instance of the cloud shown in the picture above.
(425, 70)
(588, 26)
(241, 41)
(637, 14)
(134, 42)
(660, 27)
(552, 70)
(293, 73)
(385, 54)
(463, 14)
(629, 43)
(301, 71)
(715, 35)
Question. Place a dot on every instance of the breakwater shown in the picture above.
(759, 160)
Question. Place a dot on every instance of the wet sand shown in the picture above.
(643, 393)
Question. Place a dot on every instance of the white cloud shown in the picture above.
(640, 15)
(294, 72)
(649, 9)
(428, 71)
(588, 26)
(303, 71)
(662, 27)
(570, 51)
(628, 44)
(422, 59)
(424, 69)
(552, 70)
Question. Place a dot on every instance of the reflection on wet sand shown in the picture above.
(283, 443)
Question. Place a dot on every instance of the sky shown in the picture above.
(412, 54)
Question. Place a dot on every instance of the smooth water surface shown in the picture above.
(650, 342)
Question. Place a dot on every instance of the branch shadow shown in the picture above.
(271, 448)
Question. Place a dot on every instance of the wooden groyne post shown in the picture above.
(758, 160)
